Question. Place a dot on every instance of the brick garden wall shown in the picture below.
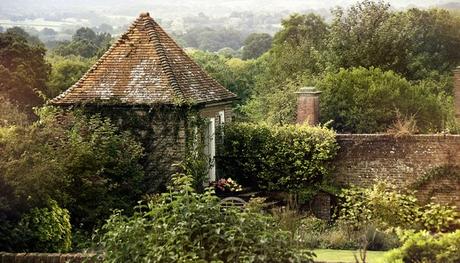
(46, 258)
(362, 159)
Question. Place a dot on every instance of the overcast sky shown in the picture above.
(121, 12)
(124, 7)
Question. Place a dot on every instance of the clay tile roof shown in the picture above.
(144, 67)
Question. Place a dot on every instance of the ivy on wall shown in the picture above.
(170, 134)
(450, 172)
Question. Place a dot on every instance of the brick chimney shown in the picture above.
(457, 92)
(308, 105)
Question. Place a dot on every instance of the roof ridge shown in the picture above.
(182, 51)
(151, 26)
(168, 76)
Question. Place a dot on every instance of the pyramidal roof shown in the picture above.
(144, 67)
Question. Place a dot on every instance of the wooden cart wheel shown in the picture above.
(232, 201)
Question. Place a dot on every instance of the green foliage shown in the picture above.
(11, 114)
(424, 247)
(413, 43)
(85, 43)
(65, 71)
(387, 207)
(84, 163)
(314, 233)
(23, 69)
(450, 172)
(438, 218)
(277, 158)
(212, 39)
(256, 44)
(196, 162)
(384, 94)
(233, 73)
(183, 226)
(45, 229)
(418, 45)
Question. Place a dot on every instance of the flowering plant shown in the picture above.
(227, 185)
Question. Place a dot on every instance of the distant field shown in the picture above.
(331, 255)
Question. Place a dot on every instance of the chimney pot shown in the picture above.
(457, 92)
(144, 14)
(308, 105)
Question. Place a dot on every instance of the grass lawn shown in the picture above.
(332, 255)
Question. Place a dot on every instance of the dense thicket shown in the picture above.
(84, 164)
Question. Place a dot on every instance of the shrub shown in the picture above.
(45, 229)
(82, 162)
(386, 207)
(184, 226)
(424, 247)
(438, 218)
(277, 158)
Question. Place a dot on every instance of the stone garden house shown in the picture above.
(147, 84)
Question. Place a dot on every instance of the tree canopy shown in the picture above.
(419, 47)
(256, 44)
(23, 69)
(85, 43)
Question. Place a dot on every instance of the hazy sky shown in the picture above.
(53, 13)
(124, 7)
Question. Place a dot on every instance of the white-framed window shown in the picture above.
(221, 117)
(210, 147)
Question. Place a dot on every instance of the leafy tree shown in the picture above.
(435, 41)
(22, 33)
(228, 52)
(233, 73)
(85, 33)
(212, 39)
(366, 100)
(256, 44)
(293, 59)
(65, 71)
(418, 44)
(86, 43)
(413, 43)
(23, 69)
(366, 35)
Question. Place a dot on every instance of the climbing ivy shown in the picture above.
(450, 172)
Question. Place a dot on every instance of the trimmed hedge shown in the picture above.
(277, 158)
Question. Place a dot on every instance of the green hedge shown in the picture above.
(276, 158)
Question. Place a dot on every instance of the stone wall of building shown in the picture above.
(212, 111)
(162, 132)
(406, 161)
